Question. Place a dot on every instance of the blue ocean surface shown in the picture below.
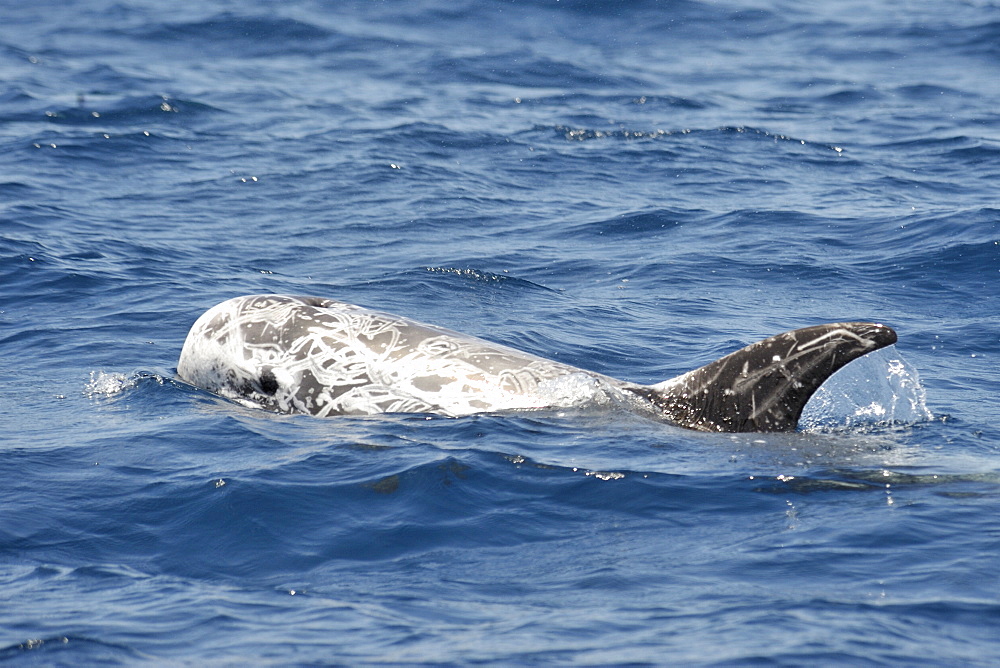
(635, 188)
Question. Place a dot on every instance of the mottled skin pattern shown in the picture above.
(324, 357)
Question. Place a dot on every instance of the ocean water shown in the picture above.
(635, 188)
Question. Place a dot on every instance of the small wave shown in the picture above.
(637, 224)
(869, 480)
(525, 68)
(585, 134)
(485, 276)
(33, 643)
(259, 35)
(584, 101)
(105, 111)
(81, 650)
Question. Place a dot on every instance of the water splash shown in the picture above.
(880, 389)
(103, 385)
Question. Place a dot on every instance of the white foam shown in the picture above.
(103, 384)
(572, 389)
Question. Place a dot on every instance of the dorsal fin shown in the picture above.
(765, 386)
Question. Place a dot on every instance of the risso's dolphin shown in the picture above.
(325, 357)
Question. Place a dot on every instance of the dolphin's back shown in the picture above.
(324, 357)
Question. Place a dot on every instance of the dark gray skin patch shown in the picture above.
(268, 383)
(431, 383)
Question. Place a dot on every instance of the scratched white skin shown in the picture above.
(324, 357)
